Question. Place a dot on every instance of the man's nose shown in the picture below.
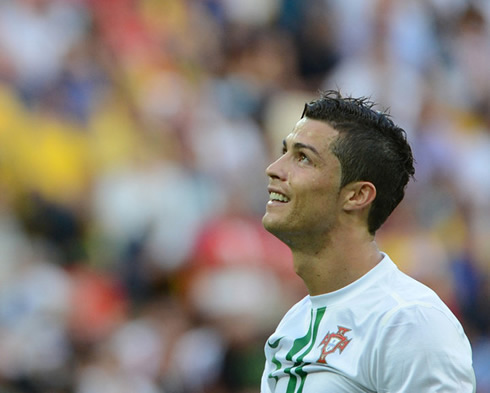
(276, 169)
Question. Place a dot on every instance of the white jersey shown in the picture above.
(384, 333)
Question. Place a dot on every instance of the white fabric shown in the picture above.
(383, 333)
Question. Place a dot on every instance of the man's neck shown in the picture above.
(341, 260)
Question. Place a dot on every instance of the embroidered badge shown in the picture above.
(334, 341)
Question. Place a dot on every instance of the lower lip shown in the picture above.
(276, 203)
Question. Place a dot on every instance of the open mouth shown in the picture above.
(276, 197)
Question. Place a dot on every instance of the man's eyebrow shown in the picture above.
(299, 145)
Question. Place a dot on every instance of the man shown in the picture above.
(365, 326)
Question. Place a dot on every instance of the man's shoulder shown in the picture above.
(396, 298)
(403, 288)
(413, 307)
(407, 292)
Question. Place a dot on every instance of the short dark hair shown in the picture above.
(370, 147)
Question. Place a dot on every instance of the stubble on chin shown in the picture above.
(279, 231)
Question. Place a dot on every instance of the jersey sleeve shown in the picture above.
(422, 349)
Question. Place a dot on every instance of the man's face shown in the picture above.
(304, 183)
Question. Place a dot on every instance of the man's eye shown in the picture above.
(302, 157)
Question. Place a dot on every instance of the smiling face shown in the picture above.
(304, 184)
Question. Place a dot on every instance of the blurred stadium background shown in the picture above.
(133, 140)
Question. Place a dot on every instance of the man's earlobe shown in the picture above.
(359, 195)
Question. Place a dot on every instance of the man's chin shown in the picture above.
(268, 223)
(280, 232)
(272, 226)
(265, 222)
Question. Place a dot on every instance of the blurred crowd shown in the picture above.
(134, 135)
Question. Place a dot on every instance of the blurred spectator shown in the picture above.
(35, 35)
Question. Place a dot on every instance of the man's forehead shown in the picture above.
(313, 131)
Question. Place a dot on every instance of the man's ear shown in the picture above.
(358, 195)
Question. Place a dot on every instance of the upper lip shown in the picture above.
(277, 190)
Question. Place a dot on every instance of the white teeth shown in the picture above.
(274, 196)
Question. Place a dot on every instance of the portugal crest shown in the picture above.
(334, 341)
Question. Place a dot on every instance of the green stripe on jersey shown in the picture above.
(276, 362)
(301, 342)
(307, 341)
